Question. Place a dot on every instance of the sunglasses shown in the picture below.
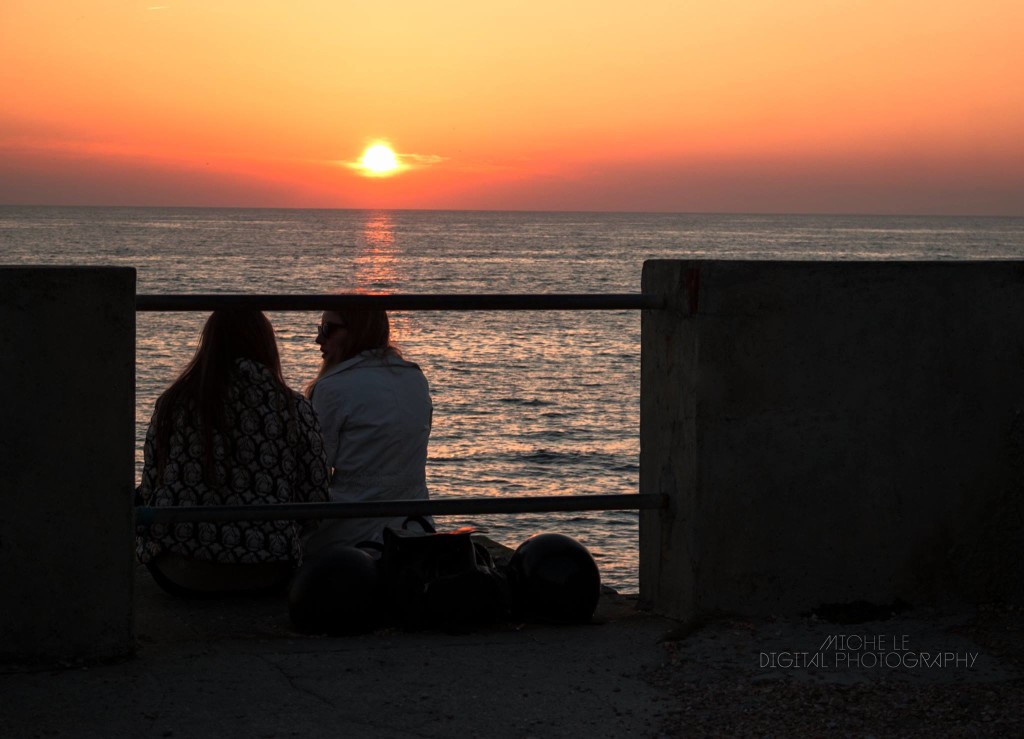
(323, 330)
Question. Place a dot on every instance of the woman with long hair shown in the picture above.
(229, 431)
(375, 412)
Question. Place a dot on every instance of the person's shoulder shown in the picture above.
(390, 358)
(304, 408)
(345, 372)
(252, 371)
(299, 400)
(357, 370)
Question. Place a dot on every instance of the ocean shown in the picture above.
(525, 403)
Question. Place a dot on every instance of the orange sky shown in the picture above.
(874, 106)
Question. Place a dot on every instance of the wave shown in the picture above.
(542, 456)
(528, 402)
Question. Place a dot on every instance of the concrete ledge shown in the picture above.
(832, 432)
(67, 336)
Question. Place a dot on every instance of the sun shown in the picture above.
(379, 161)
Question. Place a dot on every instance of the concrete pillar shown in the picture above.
(832, 432)
(668, 446)
(67, 339)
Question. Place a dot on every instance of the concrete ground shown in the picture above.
(234, 668)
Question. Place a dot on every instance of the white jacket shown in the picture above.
(375, 414)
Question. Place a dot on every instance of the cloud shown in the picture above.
(402, 162)
(424, 159)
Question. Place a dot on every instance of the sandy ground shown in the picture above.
(923, 673)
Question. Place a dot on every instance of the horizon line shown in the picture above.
(551, 211)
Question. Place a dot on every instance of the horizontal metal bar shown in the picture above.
(383, 508)
(491, 301)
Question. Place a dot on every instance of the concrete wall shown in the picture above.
(67, 342)
(832, 432)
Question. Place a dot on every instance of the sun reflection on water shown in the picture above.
(377, 260)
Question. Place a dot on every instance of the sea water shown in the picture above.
(525, 402)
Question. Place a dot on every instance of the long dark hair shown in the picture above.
(202, 387)
(366, 330)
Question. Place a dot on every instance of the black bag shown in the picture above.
(444, 581)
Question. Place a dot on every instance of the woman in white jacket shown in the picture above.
(375, 413)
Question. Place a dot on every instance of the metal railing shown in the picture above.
(482, 301)
(385, 508)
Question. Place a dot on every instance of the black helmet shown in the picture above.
(336, 591)
(555, 579)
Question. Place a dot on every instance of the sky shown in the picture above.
(795, 106)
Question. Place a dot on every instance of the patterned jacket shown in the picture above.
(275, 454)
